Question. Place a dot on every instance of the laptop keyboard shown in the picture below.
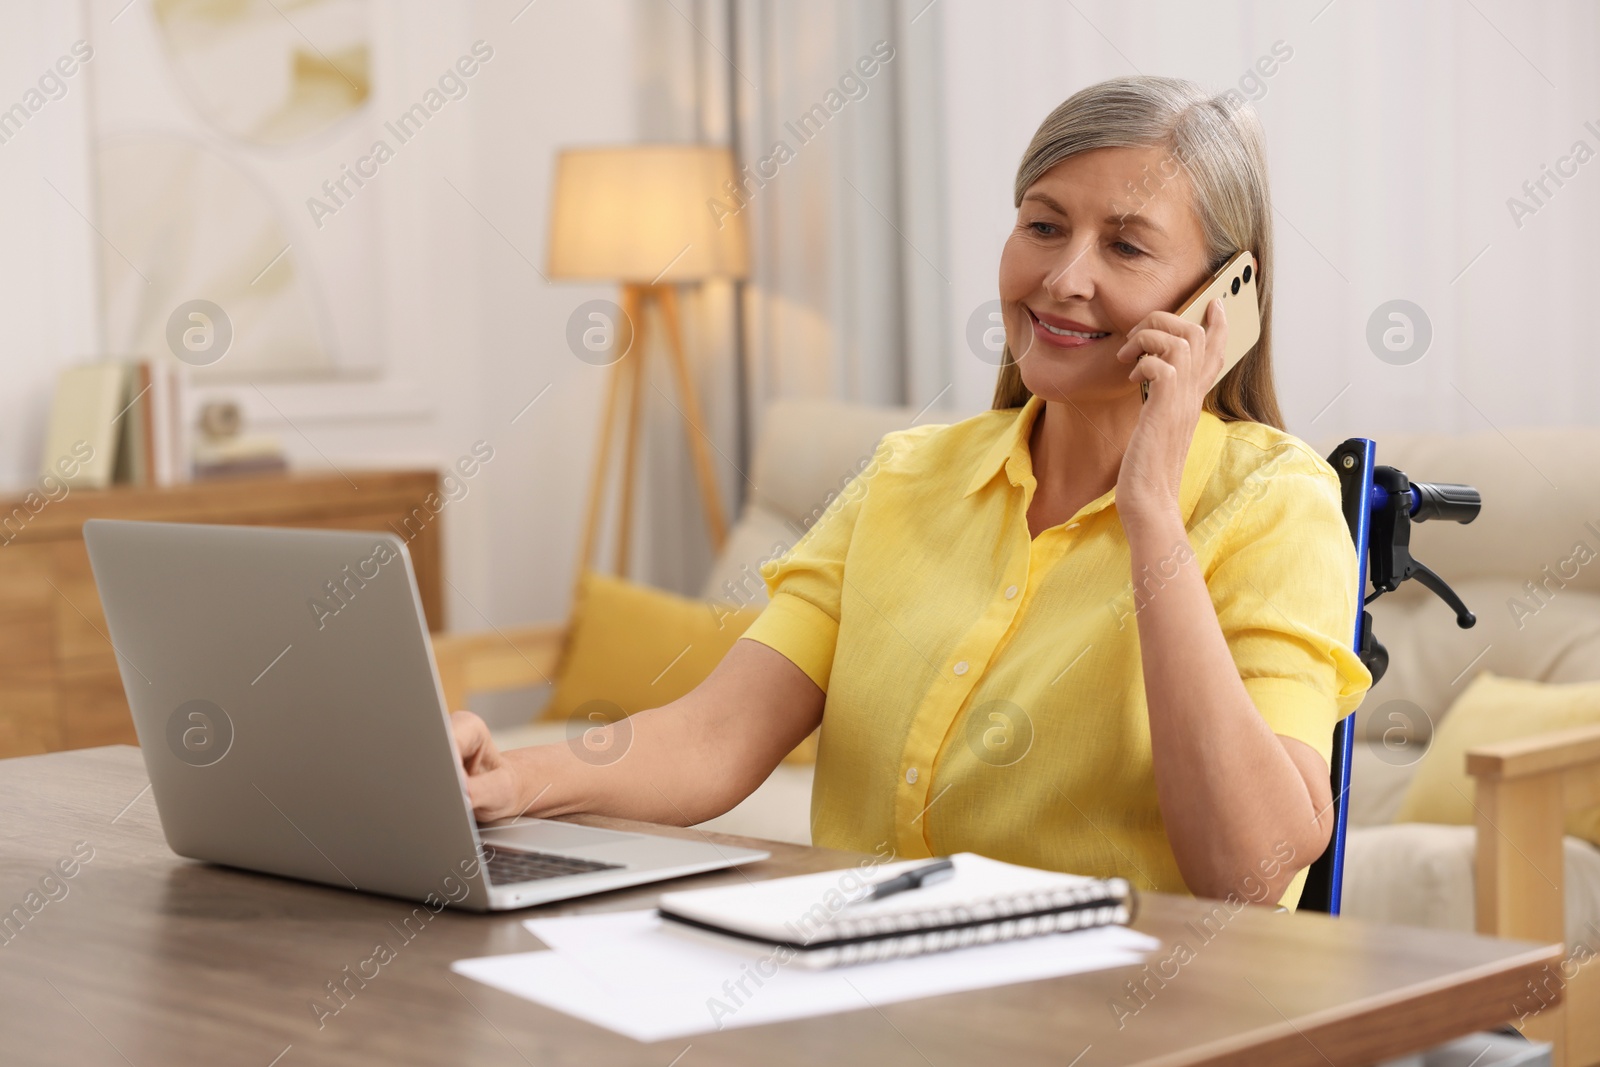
(507, 865)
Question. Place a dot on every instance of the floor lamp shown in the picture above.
(650, 217)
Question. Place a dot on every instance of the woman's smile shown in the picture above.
(1082, 266)
(1064, 333)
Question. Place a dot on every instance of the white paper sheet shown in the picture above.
(623, 972)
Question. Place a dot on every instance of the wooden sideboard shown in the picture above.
(59, 686)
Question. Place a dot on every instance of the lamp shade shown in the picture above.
(646, 213)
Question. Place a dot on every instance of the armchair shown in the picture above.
(1524, 789)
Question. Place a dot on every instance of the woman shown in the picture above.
(1078, 631)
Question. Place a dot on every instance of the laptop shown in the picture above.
(291, 719)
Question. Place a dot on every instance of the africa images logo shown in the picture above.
(199, 733)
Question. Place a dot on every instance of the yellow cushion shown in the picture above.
(1495, 709)
(638, 647)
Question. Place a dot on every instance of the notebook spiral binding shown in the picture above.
(1025, 915)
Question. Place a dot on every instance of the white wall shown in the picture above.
(1396, 134)
(49, 313)
(567, 79)
(471, 331)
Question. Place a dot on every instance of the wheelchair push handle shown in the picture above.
(1444, 500)
(1432, 500)
(1380, 506)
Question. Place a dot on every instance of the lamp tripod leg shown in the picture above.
(634, 305)
(621, 370)
(705, 474)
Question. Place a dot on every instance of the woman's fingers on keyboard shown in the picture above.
(493, 794)
(476, 747)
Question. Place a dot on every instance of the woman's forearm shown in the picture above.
(660, 766)
(1233, 800)
(686, 761)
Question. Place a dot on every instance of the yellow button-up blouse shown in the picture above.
(984, 688)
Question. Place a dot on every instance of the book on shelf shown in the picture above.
(128, 415)
(80, 447)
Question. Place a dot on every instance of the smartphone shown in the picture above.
(1236, 284)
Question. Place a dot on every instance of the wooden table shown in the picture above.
(151, 960)
(59, 686)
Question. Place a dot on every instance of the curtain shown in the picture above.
(832, 110)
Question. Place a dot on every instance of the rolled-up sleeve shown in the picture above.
(802, 620)
(1284, 587)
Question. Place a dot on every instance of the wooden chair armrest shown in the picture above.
(515, 657)
(1559, 751)
(1524, 790)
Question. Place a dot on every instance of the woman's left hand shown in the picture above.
(1184, 363)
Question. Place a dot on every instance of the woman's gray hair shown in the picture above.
(1218, 142)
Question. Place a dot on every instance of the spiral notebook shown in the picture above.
(810, 918)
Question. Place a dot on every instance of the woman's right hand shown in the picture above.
(685, 762)
(493, 785)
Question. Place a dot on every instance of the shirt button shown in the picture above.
(961, 668)
(1011, 591)
(911, 776)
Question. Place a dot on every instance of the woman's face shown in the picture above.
(1102, 240)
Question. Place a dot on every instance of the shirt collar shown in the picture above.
(1009, 452)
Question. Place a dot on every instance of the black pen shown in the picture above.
(916, 878)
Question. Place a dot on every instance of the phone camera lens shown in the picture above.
(1247, 272)
(1235, 287)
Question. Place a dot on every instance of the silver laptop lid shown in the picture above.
(284, 693)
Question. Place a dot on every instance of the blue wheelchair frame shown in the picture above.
(1380, 505)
